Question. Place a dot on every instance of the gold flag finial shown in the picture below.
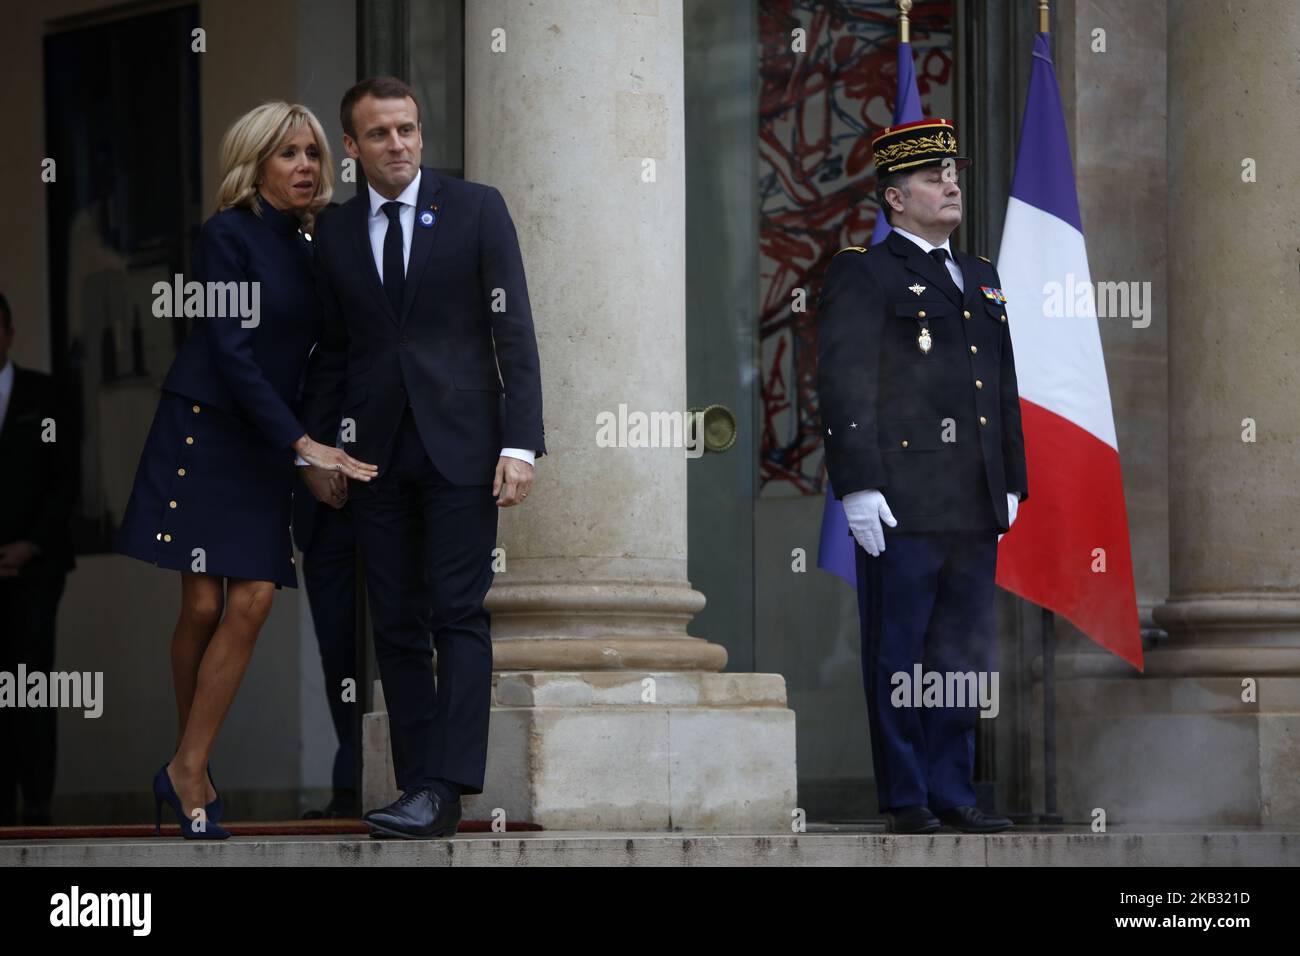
(1043, 16)
(904, 25)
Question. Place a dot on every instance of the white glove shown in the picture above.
(1013, 503)
(864, 511)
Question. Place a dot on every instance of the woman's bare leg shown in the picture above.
(202, 598)
(220, 673)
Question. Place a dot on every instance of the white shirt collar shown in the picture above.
(7, 376)
(925, 245)
(409, 196)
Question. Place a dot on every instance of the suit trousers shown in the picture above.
(427, 546)
(927, 599)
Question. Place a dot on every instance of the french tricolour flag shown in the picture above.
(1069, 549)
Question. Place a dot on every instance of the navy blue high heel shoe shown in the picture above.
(164, 790)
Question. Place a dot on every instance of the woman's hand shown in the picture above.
(333, 459)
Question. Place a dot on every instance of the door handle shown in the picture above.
(718, 425)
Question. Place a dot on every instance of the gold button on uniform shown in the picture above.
(1004, 318)
(158, 536)
(181, 472)
(189, 439)
(921, 314)
(983, 420)
(171, 504)
(978, 383)
(904, 442)
(167, 537)
(965, 315)
(195, 409)
(973, 350)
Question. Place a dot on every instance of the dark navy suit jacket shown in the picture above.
(443, 349)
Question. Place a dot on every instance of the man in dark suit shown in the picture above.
(426, 314)
(917, 387)
(38, 488)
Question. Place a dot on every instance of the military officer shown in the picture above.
(921, 423)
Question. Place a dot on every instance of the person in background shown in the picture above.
(38, 490)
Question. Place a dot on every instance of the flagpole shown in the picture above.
(1050, 814)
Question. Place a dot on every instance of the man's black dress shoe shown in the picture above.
(416, 814)
(973, 820)
(910, 820)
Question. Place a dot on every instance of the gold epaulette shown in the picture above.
(851, 249)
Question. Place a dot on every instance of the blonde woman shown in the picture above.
(213, 491)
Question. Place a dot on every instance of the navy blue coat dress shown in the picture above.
(214, 488)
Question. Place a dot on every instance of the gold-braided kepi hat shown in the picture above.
(912, 145)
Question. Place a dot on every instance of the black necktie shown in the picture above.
(941, 256)
(394, 266)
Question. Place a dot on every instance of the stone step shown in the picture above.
(1066, 846)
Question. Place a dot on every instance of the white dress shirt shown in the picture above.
(954, 270)
(378, 222)
(377, 225)
(6, 390)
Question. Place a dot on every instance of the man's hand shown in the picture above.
(328, 486)
(864, 511)
(14, 557)
(1013, 505)
(512, 482)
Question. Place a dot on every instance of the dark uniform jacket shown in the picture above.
(937, 431)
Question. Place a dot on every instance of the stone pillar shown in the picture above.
(1234, 605)
(1210, 732)
(607, 714)
(561, 122)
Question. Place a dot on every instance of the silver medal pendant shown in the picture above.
(923, 341)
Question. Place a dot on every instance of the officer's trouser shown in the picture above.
(928, 599)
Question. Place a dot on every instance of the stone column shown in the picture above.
(607, 714)
(1210, 732)
(1234, 605)
(562, 121)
